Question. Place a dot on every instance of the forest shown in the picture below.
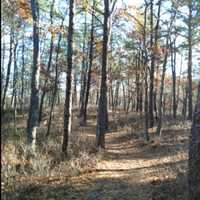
(100, 100)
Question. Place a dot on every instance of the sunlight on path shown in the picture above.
(131, 170)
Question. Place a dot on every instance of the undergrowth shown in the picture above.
(47, 161)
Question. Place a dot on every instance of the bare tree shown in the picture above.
(102, 107)
(8, 69)
(48, 65)
(160, 106)
(90, 65)
(68, 97)
(194, 154)
(55, 82)
(190, 60)
(35, 77)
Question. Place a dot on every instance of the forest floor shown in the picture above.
(128, 169)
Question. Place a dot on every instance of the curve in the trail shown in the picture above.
(134, 170)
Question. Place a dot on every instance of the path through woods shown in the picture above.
(129, 169)
(132, 170)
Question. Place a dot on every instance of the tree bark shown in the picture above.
(22, 75)
(48, 65)
(15, 73)
(55, 83)
(3, 50)
(185, 103)
(68, 97)
(151, 76)
(160, 104)
(173, 68)
(90, 65)
(146, 125)
(153, 45)
(190, 61)
(160, 113)
(32, 123)
(102, 107)
(83, 73)
(8, 70)
(194, 155)
(198, 92)
(178, 86)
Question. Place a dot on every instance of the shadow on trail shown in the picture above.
(152, 167)
(103, 189)
(126, 147)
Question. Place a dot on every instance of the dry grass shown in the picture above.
(19, 166)
(128, 169)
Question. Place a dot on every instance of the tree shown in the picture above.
(102, 106)
(32, 123)
(194, 154)
(83, 71)
(49, 62)
(22, 74)
(160, 106)
(191, 33)
(15, 73)
(146, 74)
(90, 65)
(190, 60)
(55, 81)
(151, 75)
(173, 68)
(8, 69)
(68, 94)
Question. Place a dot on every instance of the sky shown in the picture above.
(138, 3)
(181, 58)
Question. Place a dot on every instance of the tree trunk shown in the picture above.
(102, 108)
(15, 112)
(198, 92)
(83, 72)
(194, 155)
(68, 97)
(155, 104)
(14, 73)
(160, 104)
(153, 58)
(3, 50)
(74, 98)
(146, 125)
(151, 86)
(124, 96)
(8, 71)
(90, 65)
(55, 83)
(178, 86)
(48, 65)
(190, 62)
(116, 98)
(34, 99)
(22, 75)
(185, 103)
(97, 96)
(173, 67)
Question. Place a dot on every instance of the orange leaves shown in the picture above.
(98, 45)
(24, 9)
(159, 50)
(132, 14)
(84, 4)
(54, 30)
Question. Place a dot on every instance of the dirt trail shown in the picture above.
(133, 170)
(130, 169)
